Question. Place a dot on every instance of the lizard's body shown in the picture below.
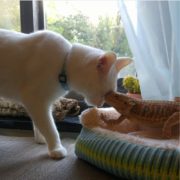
(149, 113)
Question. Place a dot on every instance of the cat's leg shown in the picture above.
(43, 120)
(38, 137)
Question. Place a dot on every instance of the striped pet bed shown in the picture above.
(126, 157)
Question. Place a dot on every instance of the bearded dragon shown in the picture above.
(153, 113)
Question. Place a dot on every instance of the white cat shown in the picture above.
(32, 67)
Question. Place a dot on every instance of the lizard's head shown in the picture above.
(119, 101)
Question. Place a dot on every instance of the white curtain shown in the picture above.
(153, 32)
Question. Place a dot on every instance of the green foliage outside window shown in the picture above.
(10, 14)
(107, 34)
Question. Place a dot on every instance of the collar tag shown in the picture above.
(63, 81)
(62, 76)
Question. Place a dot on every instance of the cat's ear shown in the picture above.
(105, 62)
(122, 62)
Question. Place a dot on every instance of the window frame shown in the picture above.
(32, 12)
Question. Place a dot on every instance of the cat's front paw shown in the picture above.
(58, 153)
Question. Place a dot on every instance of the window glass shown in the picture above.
(94, 23)
(10, 14)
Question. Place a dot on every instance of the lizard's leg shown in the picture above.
(173, 120)
(113, 122)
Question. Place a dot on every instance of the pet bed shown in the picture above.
(126, 155)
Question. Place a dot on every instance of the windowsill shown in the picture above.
(69, 124)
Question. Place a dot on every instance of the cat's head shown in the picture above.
(107, 69)
(94, 73)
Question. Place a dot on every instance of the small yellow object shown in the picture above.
(131, 84)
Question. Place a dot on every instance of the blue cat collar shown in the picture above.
(63, 78)
(63, 81)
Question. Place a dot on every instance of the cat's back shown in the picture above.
(14, 39)
(9, 37)
(20, 46)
